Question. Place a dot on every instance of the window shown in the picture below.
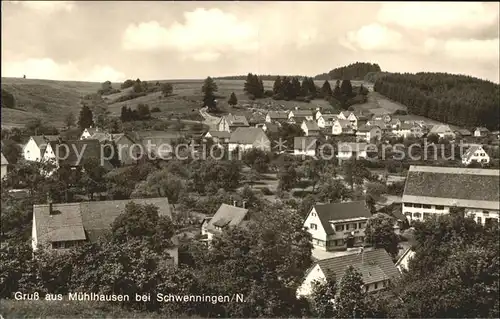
(354, 226)
(408, 214)
(417, 205)
(439, 207)
(479, 220)
(313, 214)
(362, 225)
(376, 285)
(486, 213)
(426, 206)
(57, 245)
(408, 205)
(427, 215)
(417, 215)
(314, 226)
(339, 228)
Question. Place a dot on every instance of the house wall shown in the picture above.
(85, 134)
(321, 122)
(268, 118)
(49, 154)
(174, 253)
(479, 156)
(223, 125)
(318, 233)
(31, 151)
(306, 288)
(34, 238)
(4, 171)
(403, 262)
(336, 129)
(423, 211)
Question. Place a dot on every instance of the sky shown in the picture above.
(113, 40)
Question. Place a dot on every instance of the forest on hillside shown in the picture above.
(455, 99)
(267, 77)
(353, 71)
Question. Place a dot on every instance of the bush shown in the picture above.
(266, 191)
(8, 99)
(251, 97)
(128, 83)
(155, 110)
(268, 93)
(129, 97)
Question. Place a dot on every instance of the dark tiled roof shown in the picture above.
(227, 215)
(236, 120)
(219, 134)
(374, 266)
(272, 127)
(84, 220)
(463, 132)
(451, 184)
(302, 113)
(247, 135)
(278, 115)
(482, 129)
(312, 126)
(304, 142)
(340, 211)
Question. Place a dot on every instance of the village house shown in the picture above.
(277, 116)
(246, 138)
(326, 120)
(463, 132)
(155, 143)
(218, 137)
(124, 145)
(305, 145)
(88, 132)
(356, 119)
(226, 216)
(67, 225)
(269, 127)
(300, 115)
(352, 150)
(310, 128)
(417, 130)
(74, 153)
(5, 165)
(35, 148)
(375, 266)
(231, 122)
(477, 154)
(481, 132)
(342, 127)
(367, 133)
(337, 226)
(431, 190)
(404, 130)
(443, 131)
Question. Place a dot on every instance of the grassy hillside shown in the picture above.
(51, 101)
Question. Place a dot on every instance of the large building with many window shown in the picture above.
(431, 190)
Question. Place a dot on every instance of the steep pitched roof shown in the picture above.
(482, 129)
(219, 134)
(367, 128)
(226, 216)
(340, 211)
(343, 123)
(463, 132)
(272, 127)
(278, 115)
(441, 128)
(247, 135)
(312, 125)
(303, 113)
(449, 186)
(84, 220)
(470, 152)
(406, 126)
(4, 160)
(236, 120)
(304, 143)
(43, 140)
(374, 265)
(69, 151)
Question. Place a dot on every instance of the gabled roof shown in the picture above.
(272, 127)
(470, 152)
(374, 265)
(367, 128)
(441, 128)
(408, 253)
(43, 140)
(329, 116)
(303, 113)
(278, 115)
(343, 123)
(4, 160)
(92, 130)
(340, 211)
(450, 186)
(84, 220)
(345, 113)
(236, 120)
(219, 134)
(69, 151)
(311, 125)
(247, 135)
(227, 215)
(405, 126)
(463, 132)
(482, 129)
(103, 136)
(304, 143)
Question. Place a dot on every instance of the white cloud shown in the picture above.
(46, 68)
(373, 37)
(203, 33)
(47, 6)
(482, 50)
(439, 16)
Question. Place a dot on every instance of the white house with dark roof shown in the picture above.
(276, 116)
(326, 120)
(246, 138)
(5, 164)
(432, 190)
(231, 122)
(301, 114)
(336, 226)
(403, 130)
(477, 154)
(124, 145)
(341, 126)
(305, 145)
(366, 133)
(443, 131)
(35, 148)
(220, 137)
(375, 266)
(64, 226)
(74, 153)
(88, 132)
(225, 217)
(481, 132)
(310, 128)
(403, 261)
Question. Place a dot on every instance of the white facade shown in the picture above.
(403, 261)
(4, 170)
(85, 134)
(306, 288)
(354, 120)
(31, 151)
(223, 125)
(49, 154)
(268, 118)
(317, 115)
(402, 132)
(414, 211)
(336, 128)
(479, 156)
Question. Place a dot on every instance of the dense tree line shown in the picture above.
(372, 77)
(455, 99)
(254, 86)
(263, 77)
(354, 71)
(142, 112)
(290, 89)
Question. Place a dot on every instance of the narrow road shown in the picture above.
(210, 120)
